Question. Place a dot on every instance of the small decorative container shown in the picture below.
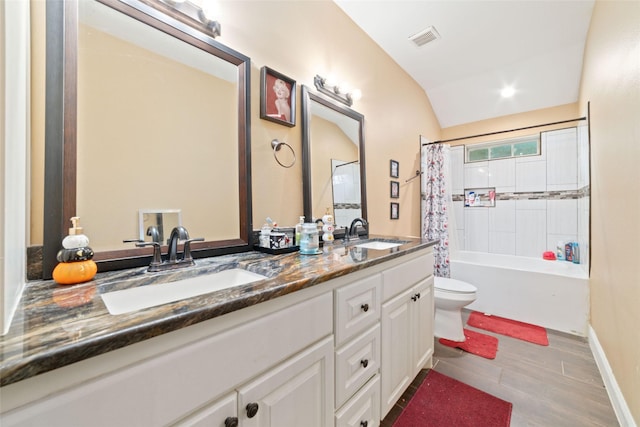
(309, 239)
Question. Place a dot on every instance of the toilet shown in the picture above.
(450, 296)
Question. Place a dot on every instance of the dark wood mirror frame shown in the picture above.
(60, 130)
(307, 97)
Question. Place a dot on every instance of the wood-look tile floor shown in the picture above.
(550, 386)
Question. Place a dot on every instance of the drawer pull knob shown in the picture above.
(364, 363)
(231, 422)
(365, 307)
(416, 297)
(252, 409)
(364, 423)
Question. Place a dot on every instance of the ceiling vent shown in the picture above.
(425, 36)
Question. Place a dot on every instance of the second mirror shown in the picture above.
(333, 160)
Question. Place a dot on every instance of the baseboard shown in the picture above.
(620, 407)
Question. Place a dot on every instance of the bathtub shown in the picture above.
(552, 294)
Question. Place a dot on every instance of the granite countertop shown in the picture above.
(57, 325)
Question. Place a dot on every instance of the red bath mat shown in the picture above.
(476, 343)
(510, 328)
(443, 401)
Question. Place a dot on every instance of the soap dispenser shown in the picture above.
(75, 258)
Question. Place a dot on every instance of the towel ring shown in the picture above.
(277, 145)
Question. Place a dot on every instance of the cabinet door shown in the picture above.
(396, 357)
(222, 413)
(298, 392)
(422, 314)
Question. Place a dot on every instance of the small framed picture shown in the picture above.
(394, 169)
(395, 210)
(395, 189)
(277, 97)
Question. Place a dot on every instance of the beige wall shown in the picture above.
(514, 121)
(611, 83)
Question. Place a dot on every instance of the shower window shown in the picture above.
(517, 147)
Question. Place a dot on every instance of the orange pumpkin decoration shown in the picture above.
(70, 273)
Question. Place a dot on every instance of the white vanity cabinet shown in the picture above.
(337, 354)
(406, 327)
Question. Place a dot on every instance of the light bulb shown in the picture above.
(507, 92)
(330, 81)
(210, 9)
(356, 94)
(343, 88)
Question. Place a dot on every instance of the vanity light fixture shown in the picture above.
(338, 91)
(195, 16)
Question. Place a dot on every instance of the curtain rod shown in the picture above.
(505, 131)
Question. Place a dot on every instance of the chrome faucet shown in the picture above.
(154, 233)
(352, 233)
(178, 234)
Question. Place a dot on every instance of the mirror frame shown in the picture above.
(307, 97)
(60, 129)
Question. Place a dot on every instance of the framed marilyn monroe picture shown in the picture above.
(277, 97)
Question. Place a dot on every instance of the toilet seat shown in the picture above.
(445, 284)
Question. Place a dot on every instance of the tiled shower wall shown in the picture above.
(540, 200)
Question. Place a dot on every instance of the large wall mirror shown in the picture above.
(333, 160)
(144, 113)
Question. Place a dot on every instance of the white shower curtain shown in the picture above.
(436, 202)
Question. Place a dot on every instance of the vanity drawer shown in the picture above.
(402, 277)
(364, 407)
(356, 363)
(357, 306)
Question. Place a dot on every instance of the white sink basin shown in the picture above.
(128, 300)
(378, 245)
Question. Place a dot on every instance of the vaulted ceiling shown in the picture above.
(536, 47)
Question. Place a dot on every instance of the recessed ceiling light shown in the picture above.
(507, 92)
